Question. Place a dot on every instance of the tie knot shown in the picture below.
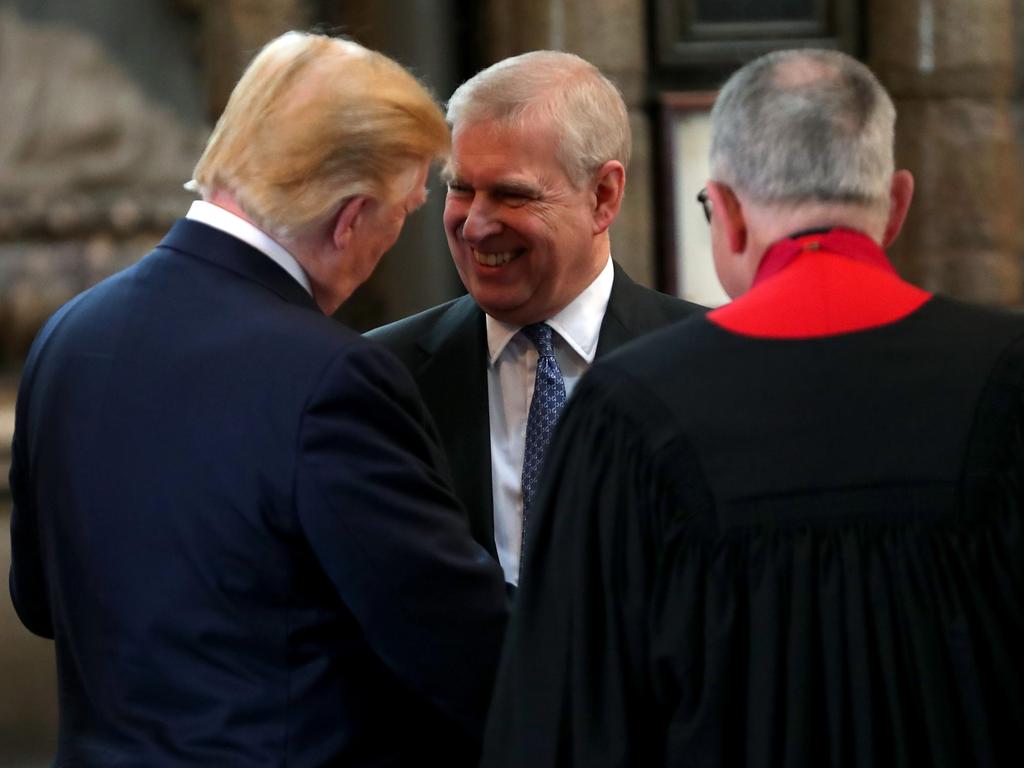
(540, 335)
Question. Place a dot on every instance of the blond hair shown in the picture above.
(313, 121)
(583, 106)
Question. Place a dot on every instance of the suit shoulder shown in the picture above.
(672, 306)
(402, 336)
(664, 345)
(641, 309)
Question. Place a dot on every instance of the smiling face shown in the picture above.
(525, 242)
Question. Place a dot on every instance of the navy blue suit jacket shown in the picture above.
(232, 515)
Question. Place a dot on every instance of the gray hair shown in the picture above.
(804, 126)
(583, 105)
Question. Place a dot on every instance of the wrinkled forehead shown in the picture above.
(504, 147)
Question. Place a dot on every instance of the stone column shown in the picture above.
(949, 65)
(99, 134)
(1018, 91)
(611, 35)
(235, 30)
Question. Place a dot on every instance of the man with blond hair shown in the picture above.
(541, 143)
(811, 556)
(230, 511)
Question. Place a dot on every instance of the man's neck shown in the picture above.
(771, 223)
(306, 253)
(226, 200)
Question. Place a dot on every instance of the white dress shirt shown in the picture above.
(224, 220)
(510, 378)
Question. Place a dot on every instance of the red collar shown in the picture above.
(843, 242)
(844, 284)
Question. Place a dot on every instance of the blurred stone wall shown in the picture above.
(103, 119)
(97, 137)
(1018, 100)
(952, 68)
(28, 696)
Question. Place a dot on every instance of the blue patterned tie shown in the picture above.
(545, 408)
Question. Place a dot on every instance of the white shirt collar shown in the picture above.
(224, 220)
(578, 324)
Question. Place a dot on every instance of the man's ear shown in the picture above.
(728, 209)
(345, 221)
(901, 192)
(609, 186)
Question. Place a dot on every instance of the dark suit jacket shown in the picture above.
(445, 349)
(232, 515)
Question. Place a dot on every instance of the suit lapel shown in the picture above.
(617, 327)
(453, 377)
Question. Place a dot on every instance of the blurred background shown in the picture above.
(106, 105)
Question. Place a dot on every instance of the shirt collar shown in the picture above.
(226, 221)
(579, 323)
(840, 241)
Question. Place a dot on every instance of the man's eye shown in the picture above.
(458, 189)
(516, 199)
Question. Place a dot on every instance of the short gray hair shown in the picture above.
(584, 106)
(804, 126)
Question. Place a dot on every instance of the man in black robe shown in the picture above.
(811, 554)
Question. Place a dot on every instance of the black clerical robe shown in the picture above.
(811, 554)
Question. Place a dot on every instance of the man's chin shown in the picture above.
(506, 310)
(514, 310)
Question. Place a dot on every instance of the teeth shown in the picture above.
(493, 259)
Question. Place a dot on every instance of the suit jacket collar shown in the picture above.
(456, 325)
(204, 242)
(621, 323)
(453, 377)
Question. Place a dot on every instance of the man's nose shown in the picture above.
(481, 221)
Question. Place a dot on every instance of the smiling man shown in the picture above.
(541, 143)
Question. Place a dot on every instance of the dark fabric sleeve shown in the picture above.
(392, 538)
(574, 685)
(27, 582)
